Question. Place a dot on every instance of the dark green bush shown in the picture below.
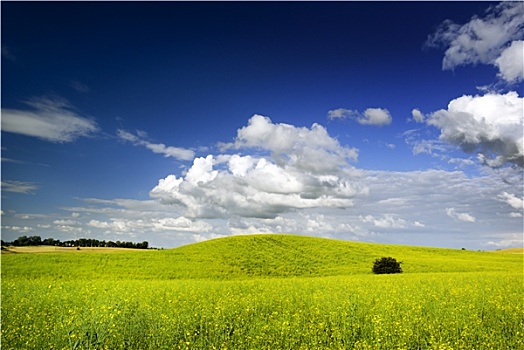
(386, 265)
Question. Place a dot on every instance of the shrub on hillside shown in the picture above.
(386, 265)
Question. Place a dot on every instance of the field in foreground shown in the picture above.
(475, 301)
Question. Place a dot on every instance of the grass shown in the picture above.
(242, 257)
(263, 292)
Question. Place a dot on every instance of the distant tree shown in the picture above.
(80, 242)
(35, 240)
(386, 265)
(20, 241)
(25, 241)
(51, 241)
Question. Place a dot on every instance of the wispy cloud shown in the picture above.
(19, 187)
(8, 54)
(452, 213)
(78, 86)
(52, 119)
(18, 229)
(168, 151)
(512, 200)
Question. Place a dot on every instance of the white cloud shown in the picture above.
(160, 148)
(166, 224)
(275, 193)
(239, 166)
(418, 116)
(265, 190)
(483, 40)
(342, 113)
(423, 196)
(512, 200)
(53, 120)
(390, 145)
(431, 147)
(461, 162)
(65, 222)
(371, 116)
(305, 149)
(18, 229)
(399, 207)
(452, 213)
(375, 116)
(305, 168)
(507, 240)
(388, 221)
(511, 62)
(19, 187)
(490, 125)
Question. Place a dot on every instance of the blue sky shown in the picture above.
(179, 122)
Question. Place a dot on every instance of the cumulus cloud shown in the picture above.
(418, 116)
(168, 151)
(375, 116)
(308, 149)
(485, 40)
(303, 168)
(511, 62)
(19, 187)
(371, 116)
(452, 213)
(490, 125)
(53, 120)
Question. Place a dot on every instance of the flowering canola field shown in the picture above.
(413, 310)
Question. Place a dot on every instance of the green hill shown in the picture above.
(264, 255)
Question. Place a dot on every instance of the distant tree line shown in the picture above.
(81, 242)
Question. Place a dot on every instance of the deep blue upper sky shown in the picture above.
(191, 74)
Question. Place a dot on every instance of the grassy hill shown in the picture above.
(238, 257)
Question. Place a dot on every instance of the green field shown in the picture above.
(262, 292)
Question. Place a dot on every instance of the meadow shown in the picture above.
(263, 292)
